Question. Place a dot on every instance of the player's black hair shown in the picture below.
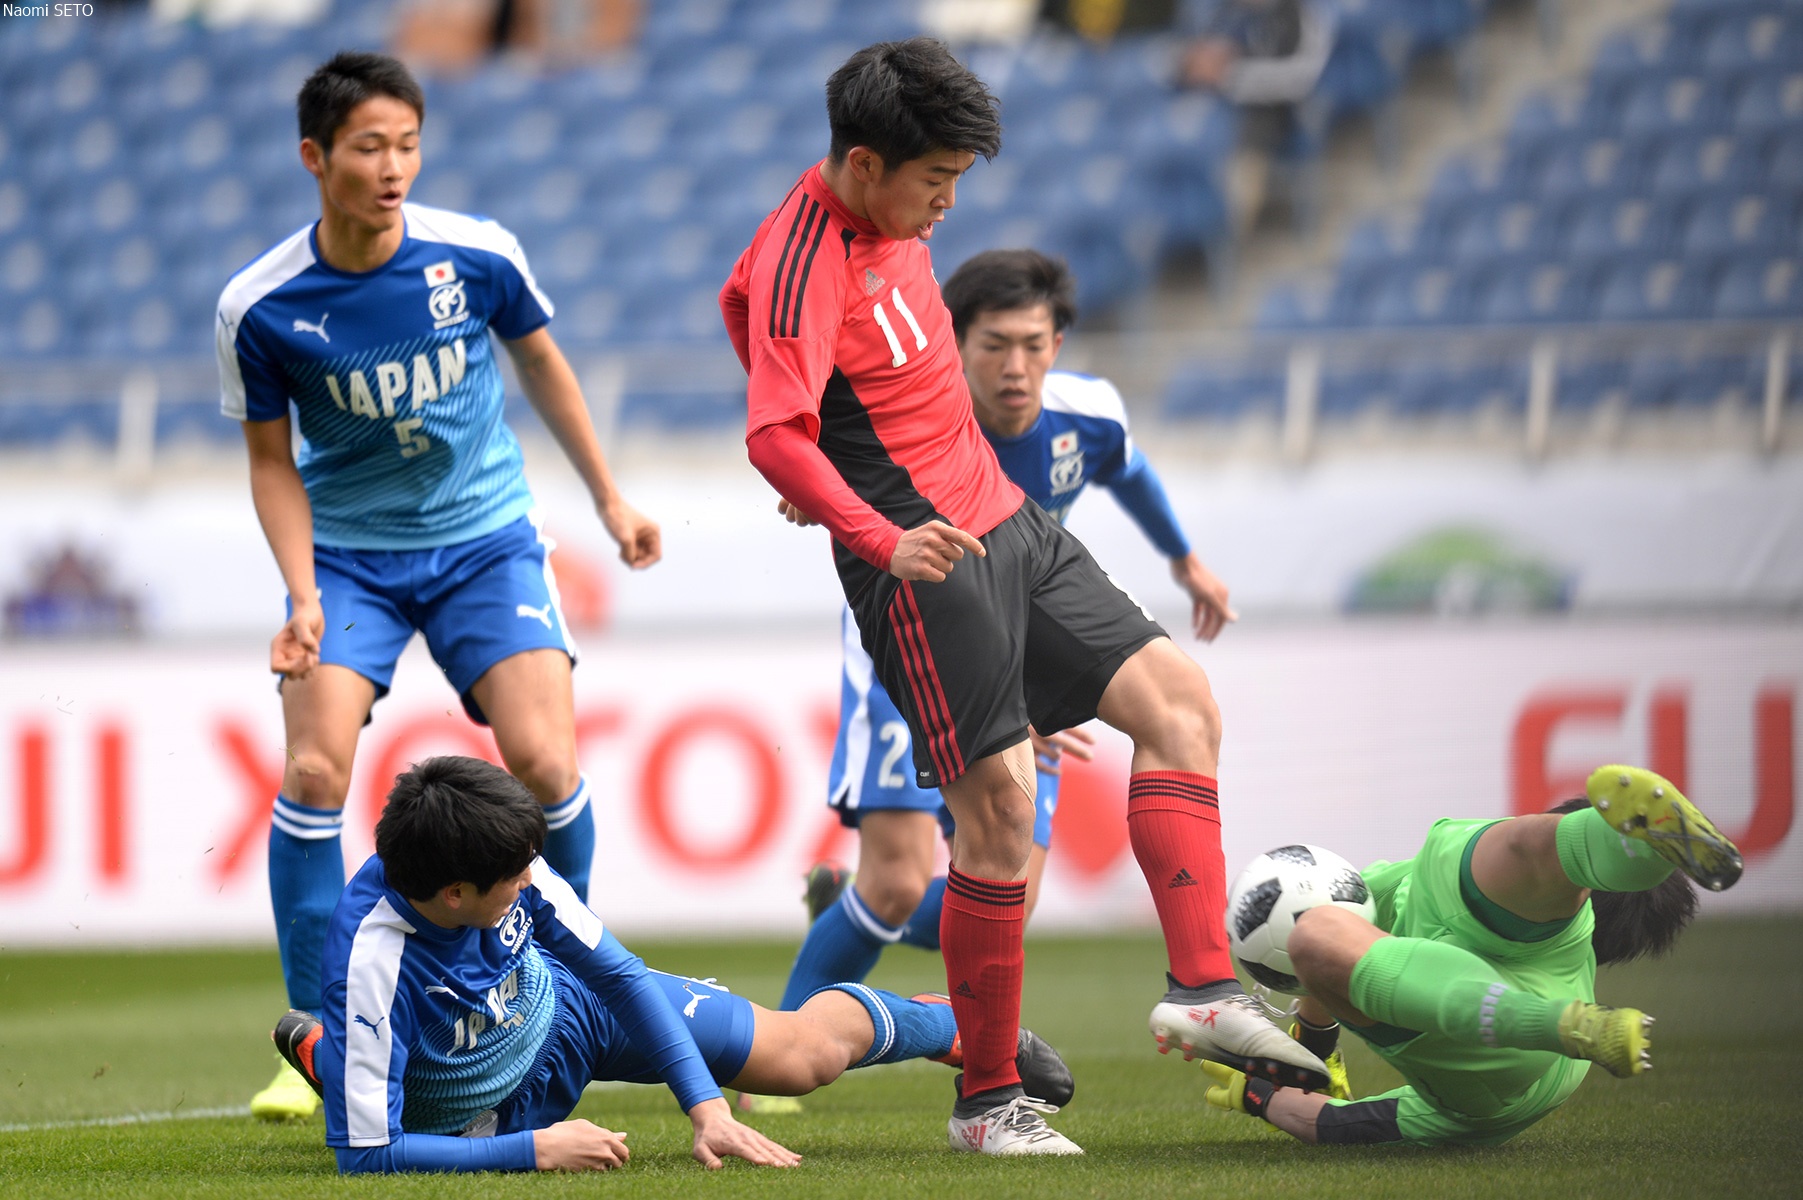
(1631, 925)
(1004, 280)
(351, 77)
(457, 820)
(906, 100)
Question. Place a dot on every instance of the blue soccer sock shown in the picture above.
(842, 945)
(922, 926)
(570, 842)
(904, 1028)
(306, 875)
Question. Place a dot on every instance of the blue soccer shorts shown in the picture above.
(586, 1043)
(477, 602)
(872, 769)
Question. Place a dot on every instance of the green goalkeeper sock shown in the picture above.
(1595, 856)
(1436, 987)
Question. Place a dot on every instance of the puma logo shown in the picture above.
(376, 1028)
(695, 998)
(435, 990)
(301, 326)
(542, 614)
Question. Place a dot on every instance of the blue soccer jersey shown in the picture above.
(392, 374)
(1081, 437)
(428, 1030)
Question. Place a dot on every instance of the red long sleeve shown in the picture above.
(792, 462)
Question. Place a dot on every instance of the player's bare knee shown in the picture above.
(892, 895)
(1325, 944)
(549, 771)
(314, 779)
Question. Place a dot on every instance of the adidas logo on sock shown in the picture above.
(1181, 879)
(963, 989)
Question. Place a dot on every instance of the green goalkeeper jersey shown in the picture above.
(1460, 1093)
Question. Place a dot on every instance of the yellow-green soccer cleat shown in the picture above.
(287, 1098)
(1644, 806)
(1339, 1083)
(1620, 1040)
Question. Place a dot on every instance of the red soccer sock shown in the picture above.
(980, 929)
(1174, 825)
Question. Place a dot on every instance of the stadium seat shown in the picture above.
(1613, 227)
(1740, 222)
(1770, 102)
(1661, 289)
(1428, 296)
(1215, 392)
(1762, 287)
(1554, 291)
(1505, 229)
(1674, 104)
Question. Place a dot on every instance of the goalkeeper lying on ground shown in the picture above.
(470, 996)
(1478, 980)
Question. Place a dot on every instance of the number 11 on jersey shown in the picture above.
(898, 356)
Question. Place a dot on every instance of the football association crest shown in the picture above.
(1067, 462)
(447, 302)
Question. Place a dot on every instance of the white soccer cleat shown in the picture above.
(1234, 1030)
(1011, 1130)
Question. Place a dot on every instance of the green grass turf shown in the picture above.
(1722, 1115)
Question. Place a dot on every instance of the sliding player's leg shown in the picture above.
(322, 717)
(527, 701)
(895, 866)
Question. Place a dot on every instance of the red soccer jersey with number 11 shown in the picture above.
(843, 328)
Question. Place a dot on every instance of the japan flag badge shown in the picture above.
(1065, 443)
(441, 273)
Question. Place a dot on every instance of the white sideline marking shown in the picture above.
(192, 1114)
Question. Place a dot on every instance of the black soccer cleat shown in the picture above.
(296, 1035)
(826, 882)
(1043, 1073)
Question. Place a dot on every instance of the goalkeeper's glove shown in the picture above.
(1339, 1085)
(1236, 1093)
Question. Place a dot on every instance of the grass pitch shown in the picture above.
(104, 1036)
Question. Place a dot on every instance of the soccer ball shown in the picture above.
(1277, 887)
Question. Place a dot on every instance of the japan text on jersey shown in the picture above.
(392, 375)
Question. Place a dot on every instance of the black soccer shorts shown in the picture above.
(1032, 633)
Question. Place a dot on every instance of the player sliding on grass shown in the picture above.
(409, 508)
(1054, 433)
(1478, 981)
(981, 614)
(470, 996)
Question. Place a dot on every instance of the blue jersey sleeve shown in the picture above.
(565, 926)
(517, 306)
(1141, 492)
(435, 1152)
(370, 1026)
(251, 385)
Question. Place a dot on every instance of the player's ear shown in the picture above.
(452, 894)
(313, 157)
(866, 164)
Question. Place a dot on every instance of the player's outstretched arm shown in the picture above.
(287, 519)
(1209, 610)
(555, 395)
(718, 1133)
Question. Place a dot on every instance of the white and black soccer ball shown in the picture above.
(1277, 887)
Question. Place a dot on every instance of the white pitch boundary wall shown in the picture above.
(135, 782)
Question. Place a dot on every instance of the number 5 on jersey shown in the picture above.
(898, 356)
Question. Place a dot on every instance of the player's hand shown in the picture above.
(578, 1146)
(1049, 752)
(294, 651)
(641, 542)
(1208, 596)
(718, 1133)
(929, 552)
(794, 515)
